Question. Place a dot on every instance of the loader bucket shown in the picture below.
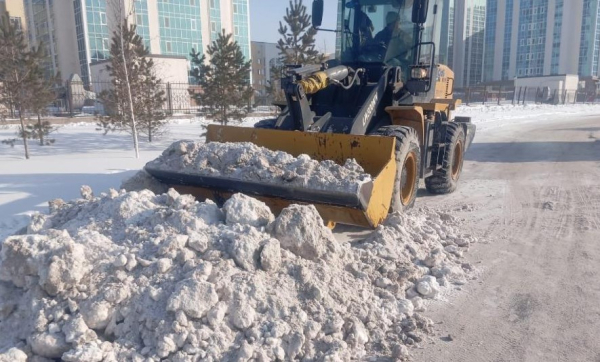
(368, 207)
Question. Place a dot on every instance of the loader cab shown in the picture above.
(376, 32)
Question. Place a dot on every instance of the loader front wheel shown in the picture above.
(408, 159)
(445, 180)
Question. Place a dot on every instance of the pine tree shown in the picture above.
(134, 102)
(21, 76)
(224, 81)
(296, 45)
(45, 94)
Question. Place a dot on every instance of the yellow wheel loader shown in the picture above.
(384, 102)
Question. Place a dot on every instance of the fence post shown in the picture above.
(170, 98)
(524, 95)
(499, 94)
(519, 98)
(468, 95)
(575, 98)
(484, 95)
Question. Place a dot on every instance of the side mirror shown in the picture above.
(420, 9)
(317, 13)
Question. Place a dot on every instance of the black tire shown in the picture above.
(445, 180)
(266, 123)
(408, 161)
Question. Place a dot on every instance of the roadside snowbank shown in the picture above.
(249, 162)
(492, 116)
(134, 275)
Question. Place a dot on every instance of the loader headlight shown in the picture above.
(419, 73)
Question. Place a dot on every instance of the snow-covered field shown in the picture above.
(83, 156)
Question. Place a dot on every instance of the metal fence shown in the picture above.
(524, 95)
(78, 98)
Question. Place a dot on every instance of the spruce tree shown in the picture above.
(45, 94)
(296, 45)
(21, 75)
(224, 80)
(134, 102)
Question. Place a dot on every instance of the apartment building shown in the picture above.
(16, 12)
(542, 37)
(80, 30)
(264, 57)
(469, 41)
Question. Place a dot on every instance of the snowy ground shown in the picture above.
(529, 188)
(82, 155)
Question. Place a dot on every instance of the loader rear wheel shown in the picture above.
(408, 159)
(445, 180)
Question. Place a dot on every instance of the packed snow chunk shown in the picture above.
(245, 210)
(300, 229)
(86, 192)
(270, 256)
(428, 287)
(249, 162)
(55, 259)
(97, 314)
(194, 297)
(49, 345)
(144, 181)
(13, 355)
(86, 353)
(245, 251)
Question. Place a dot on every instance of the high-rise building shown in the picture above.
(542, 37)
(469, 41)
(168, 27)
(16, 11)
(51, 25)
(264, 57)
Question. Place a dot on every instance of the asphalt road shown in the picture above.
(534, 190)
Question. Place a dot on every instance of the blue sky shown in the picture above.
(266, 14)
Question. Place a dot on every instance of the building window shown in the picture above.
(212, 4)
(103, 18)
(167, 23)
(213, 26)
(168, 45)
(193, 24)
(235, 9)
(236, 30)
(105, 44)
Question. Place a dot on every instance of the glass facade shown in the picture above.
(590, 39)
(558, 17)
(474, 42)
(445, 31)
(215, 18)
(508, 23)
(531, 45)
(179, 26)
(81, 40)
(97, 30)
(40, 27)
(141, 21)
(490, 40)
(241, 28)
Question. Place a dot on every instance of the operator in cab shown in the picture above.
(392, 21)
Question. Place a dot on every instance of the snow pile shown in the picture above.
(247, 161)
(138, 276)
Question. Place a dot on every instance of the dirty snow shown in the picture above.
(135, 275)
(249, 162)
